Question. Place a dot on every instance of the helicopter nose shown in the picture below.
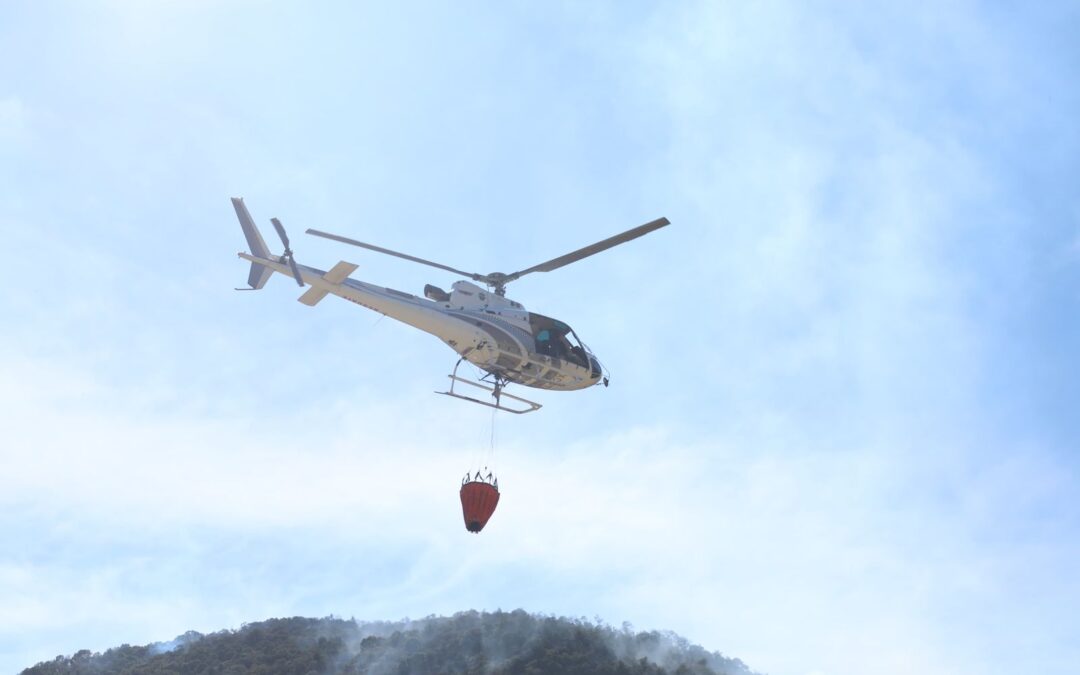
(594, 367)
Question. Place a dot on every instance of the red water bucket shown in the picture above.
(478, 502)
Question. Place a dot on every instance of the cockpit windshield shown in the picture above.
(555, 338)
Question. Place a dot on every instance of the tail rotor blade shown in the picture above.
(288, 251)
(295, 271)
(281, 233)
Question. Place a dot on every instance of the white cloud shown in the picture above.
(742, 544)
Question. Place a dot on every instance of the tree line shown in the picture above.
(468, 643)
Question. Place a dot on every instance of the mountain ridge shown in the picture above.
(466, 643)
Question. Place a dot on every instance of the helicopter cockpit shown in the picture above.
(555, 338)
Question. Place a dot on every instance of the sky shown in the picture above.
(840, 436)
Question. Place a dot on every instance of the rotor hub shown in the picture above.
(498, 281)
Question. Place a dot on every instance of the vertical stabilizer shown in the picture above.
(259, 273)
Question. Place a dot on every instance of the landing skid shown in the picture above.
(496, 392)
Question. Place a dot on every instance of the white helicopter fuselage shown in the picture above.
(494, 333)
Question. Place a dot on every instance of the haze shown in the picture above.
(841, 431)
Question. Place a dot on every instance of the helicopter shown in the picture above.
(496, 334)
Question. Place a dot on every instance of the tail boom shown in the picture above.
(407, 308)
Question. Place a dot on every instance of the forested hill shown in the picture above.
(499, 643)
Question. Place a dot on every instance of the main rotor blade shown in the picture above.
(379, 249)
(592, 249)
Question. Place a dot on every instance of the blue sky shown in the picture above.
(840, 436)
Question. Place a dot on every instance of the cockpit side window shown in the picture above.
(544, 343)
(555, 338)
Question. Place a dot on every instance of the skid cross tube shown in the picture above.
(496, 392)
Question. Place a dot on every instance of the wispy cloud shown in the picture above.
(712, 537)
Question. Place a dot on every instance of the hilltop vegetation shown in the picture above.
(498, 643)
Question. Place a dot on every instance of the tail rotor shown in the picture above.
(288, 256)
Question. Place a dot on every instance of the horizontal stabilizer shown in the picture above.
(312, 296)
(340, 272)
(337, 274)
